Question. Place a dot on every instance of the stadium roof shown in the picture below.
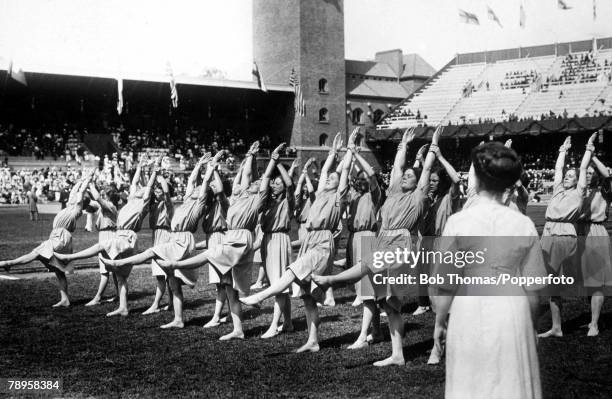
(145, 77)
(415, 65)
(375, 88)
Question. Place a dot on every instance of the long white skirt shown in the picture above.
(491, 349)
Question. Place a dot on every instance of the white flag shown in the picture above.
(119, 96)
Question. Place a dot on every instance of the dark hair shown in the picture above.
(496, 166)
(113, 196)
(445, 181)
(597, 178)
(417, 172)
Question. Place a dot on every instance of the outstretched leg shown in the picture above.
(275, 289)
(131, 260)
(84, 254)
(22, 260)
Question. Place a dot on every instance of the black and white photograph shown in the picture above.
(306, 199)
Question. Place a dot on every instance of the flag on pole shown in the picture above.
(468, 17)
(493, 17)
(594, 10)
(119, 96)
(563, 5)
(298, 102)
(522, 17)
(16, 73)
(259, 78)
(173, 91)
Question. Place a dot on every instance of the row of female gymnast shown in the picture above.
(497, 334)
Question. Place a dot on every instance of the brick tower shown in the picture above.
(308, 36)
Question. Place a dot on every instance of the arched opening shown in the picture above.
(323, 140)
(357, 116)
(323, 86)
(323, 115)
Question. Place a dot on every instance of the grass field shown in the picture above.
(132, 357)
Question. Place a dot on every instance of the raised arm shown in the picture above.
(238, 177)
(567, 144)
(154, 171)
(419, 157)
(95, 194)
(450, 171)
(265, 180)
(136, 178)
(400, 158)
(247, 170)
(193, 177)
(304, 179)
(295, 165)
(586, 160)
(423, 184)
(346, 168)
(329, 162)
(601, 168)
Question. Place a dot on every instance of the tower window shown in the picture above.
(357, 116)
(323, 140)
(378, 114)
(323, 115)
(323, 86)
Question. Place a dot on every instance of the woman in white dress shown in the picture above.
(491, 340)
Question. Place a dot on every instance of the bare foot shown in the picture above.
(421, 310)
(93, 302)
(308, 347)
(272, 332)
(64, 303)
(359, 344)
(357, 302)
(593, 330)
(118, 312)
(330, 303)
(375, 338)
(390, 361)
(551, 333)
(151, 310)
(436, 355)
(286, 327)
(112, 299)
(174, 324)
(168, 308)
(232, 335)
(214, 322)
(5, 266)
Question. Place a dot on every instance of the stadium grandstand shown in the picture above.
(568, 80)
